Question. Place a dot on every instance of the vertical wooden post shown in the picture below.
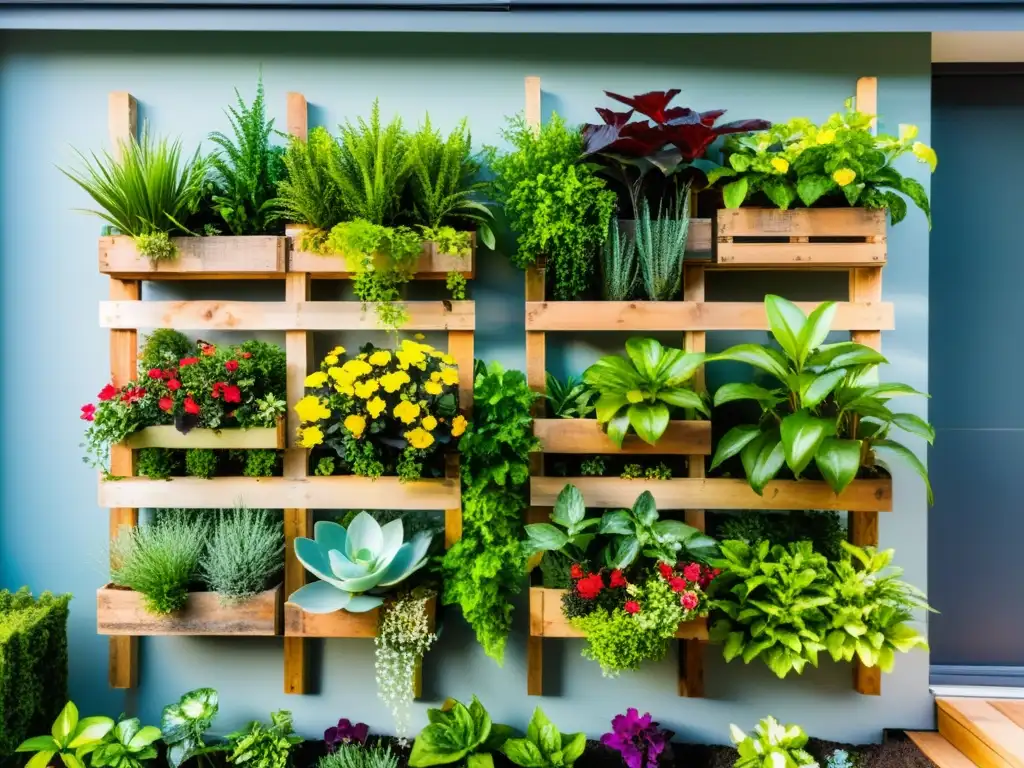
(866, 100)
(460, 347)
(298, 523)
(691, 652)
(122, 118)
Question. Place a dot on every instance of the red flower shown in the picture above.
(691, 572)
(231, 365)
(156, 373)
(631, 606)
(689, 600)
(109, 392)
(208, 349)
(617, 579)
(88, 412)
(715, 573)
(218, 389)
(133, 395)
(665, 570)
(678, 584)
(590, 586)
(247, 355)
(174, 385)
(232, 394)
(187, 361)
(166, 404)
(576, 572)
(231, 414)
(190, 405)
(170, 373)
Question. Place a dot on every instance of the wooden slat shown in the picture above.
(938, 749)
(586, 436)
(281, 315)
(122, 119)
(547, 604)
(800, 222)
(298, 623)
(1011, 708)
(866, 99)
(296, 116)
(963, 739)
(344, 492)
(432, 264)
(206, 258)
(979, 730)
(168, 436)
(700, 238)
(689, 315)
(810, 255)
(862, 496)
(122, 612)
(460, 346)
(535, 646)
(452, 516)
(533, 102)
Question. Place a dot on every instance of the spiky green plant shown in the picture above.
(245, 554)
(147, 191)
(246, 169)
(661, 245)
(619, 268)
(373, 167)
(308, 194)
(445, 180)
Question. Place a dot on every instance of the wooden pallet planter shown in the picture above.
(586, 436)
(168, 436)
(547, 619)
(816, 238)
(120, 611)
(204, 258)
(299, 623)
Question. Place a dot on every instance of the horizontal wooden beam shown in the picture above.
(431, 265)
(168, 436)
(799, 255)
(298, 623)
(800, 222)
(347, 492)
(586, 436)
(547, 603)
(123, 612)
(204, 258)
(642, 316)
(717, 493)
(280, 315)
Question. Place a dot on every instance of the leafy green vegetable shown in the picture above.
(128, 745)
(544, 746)
(261, 746)
(772, 745)
(70, 739)
(456, 732)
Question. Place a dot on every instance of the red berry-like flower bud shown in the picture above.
(576, 572)
(247, 355)
(191, 406)
(678, 584)
(691, 572)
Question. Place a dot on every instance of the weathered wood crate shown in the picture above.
(298, 623)
(823, 238)
(120, 611)
(203, 258)
(168, 436)
(583, 436)
(547, 619)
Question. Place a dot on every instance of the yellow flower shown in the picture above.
(826, 137)
(331, 359)
(435, 376)
(366, 388)
(310, 436)
(345, 388)
(925, 154)
(336, 373)
(380, 358)
(433, 388)
(355, 424)
(844, 176)
(450, 376)
(908, 132)
(337, 351)
(356, 368)
(361, 356)
(780, 164)
(407, 357)
(317, 379)
(310, 408)
(392, 382)
(448, 359)
(419, 438)
(635, 396)
(375, 407)
(429, 423)
(419, 336)
(458, 425)
(406, 411)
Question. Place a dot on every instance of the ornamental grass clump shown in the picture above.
(245, 554)
(383, 411)
(358, 756)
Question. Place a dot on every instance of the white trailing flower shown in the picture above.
(403, 639)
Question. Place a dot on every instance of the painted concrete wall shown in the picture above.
(53, 536)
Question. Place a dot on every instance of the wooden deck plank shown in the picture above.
(981, 732)
(937, 748)
(1012, 708)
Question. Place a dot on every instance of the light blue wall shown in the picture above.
(53, 89)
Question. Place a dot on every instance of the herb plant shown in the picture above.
(246, 169)
(184, 723)
(771, 744)
(661, 246)
(148, 192)
(262, 746)
(638, 392)
(245, 554)
(825, 408)
(557, 206)
(544, 746)
(458, 732)
(70, 739)
(839, 161)
(639, 740)
(570, 532)
(308, 193)
(355, 756)
(372, 168)
(619, 267)
(403, 640)
(569, 400)
(128, 745)
(483, 570)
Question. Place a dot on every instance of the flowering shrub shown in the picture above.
(212, 387)
(638, 739)
(383, 411)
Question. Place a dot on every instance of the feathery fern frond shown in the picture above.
(309, 194)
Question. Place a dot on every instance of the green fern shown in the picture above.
(372, 169)
(661, 245)
(309, 194)
(619, 268)
(246, 169)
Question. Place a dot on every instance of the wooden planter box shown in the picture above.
(584, 436)
(718, 493)
(167, 436)
(120, 611)
(345, 492)
(432, 264)
(823, 238)
(204, 258)
(298, 623)
(547, 620)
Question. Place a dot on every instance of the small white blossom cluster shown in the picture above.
(403, 639)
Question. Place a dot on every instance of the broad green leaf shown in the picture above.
(838, 461)
(650, 420)
(617, 427)
(871, 407)
(608, 404)
(816, 329)
(886, 391)
(524, 753)
(734, 441)
(537, 721)
(765, 358)
(817, 387)
(735, 192)
(569, 507)
(550, 739)
(762, 459)
(71, 760)
(612, 374)
(913, 189)
(779, 191)
(712, 171)
(624, 552)
(915, 425)
(786, 322)
(677, 367)
(812, 186)
(544, 537)
(645, 511)
(646, 355)
(675, 529)
(684, 398)
(847, 353)
(766, 398)
(89, 730)
(65, 724)
(733, 646)
(573, 746)
(144, 737)
(475, 760)
(900, 450)
(802, 434)
(617, 522)
(38, 744)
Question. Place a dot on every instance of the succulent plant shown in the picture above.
(367, 557)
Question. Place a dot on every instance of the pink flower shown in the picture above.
(156, 373)
(109, 392)
(689, 600)
(678, 584)
(691, 572)
(88, 412)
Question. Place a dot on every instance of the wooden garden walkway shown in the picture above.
(987, 733)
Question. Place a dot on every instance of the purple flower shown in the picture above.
(345, 732)
(638, 739)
